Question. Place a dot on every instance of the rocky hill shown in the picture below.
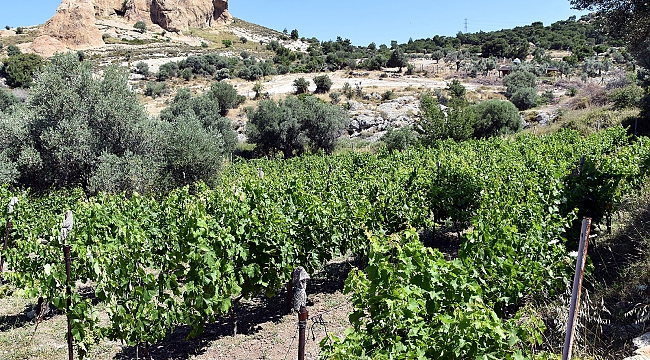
(73, 26)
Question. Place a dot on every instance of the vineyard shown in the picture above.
(159, 262)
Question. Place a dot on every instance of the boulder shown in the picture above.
(73, 25)
(45, 46)
(543, 118)
(179, 15)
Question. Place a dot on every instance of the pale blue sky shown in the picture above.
(362, 21)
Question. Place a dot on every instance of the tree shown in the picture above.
(456, 89)
(77, 117)
(519, 79)
(524, 98)
(226, 96)
(294, 34)
(19, 69)
(290, 126)
(7, 99)
(227, 43)
(301, 85)
(433, 124)
(140, 26)
(323, 84)
(397, 59)
(496, 117)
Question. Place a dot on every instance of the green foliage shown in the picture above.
(19, 69)
(519, 79)
(243, 39)
(7, 99)
(301, 85)
(155, 89)
(227, 43)
(456, 89)
(20, 30)
(141, 26)
(226, 96)
(76, 119)
(627, 97)
(142, 68)
(400, 139)
(524, 98)
(294, 34)
(397, 59)
(323, 84)
(293, 124)
(434, 124)
(411, 303)
(496, 117)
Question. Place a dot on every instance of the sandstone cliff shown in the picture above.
(73, 25)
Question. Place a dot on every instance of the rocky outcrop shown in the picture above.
(221, 14)
(45, 46)
(179, 15)
(74, 25)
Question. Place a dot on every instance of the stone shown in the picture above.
(642, 341)
(45, 46)
(543, 118)
(180, 15)
(73, 25)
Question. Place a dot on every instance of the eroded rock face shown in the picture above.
(221, 13)
(108, 7)
(45, 46)
(73, 25)
(179, 15)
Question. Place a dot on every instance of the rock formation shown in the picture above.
(74, 25)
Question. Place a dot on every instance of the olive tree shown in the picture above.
(496, 117)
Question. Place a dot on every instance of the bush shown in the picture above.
(155, 89)
(19, 69)
(140, 26)
(456, 89)
(243, 39)
(142, 68)
(222, 74)
(291, 125)
(7, 99)
(227, 43)
(572, 91)
(20, 30)
(186, 74)
(294, 34)
(226, 96)
(335, 97)
(13, 50)
(323, 84)
(627, 97)
(496, 117)
(524, 98)
(517, 80)
(301, 85)
(400, 139)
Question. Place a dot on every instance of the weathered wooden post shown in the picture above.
(66, 227)
(577, 288)
(10, 210)
(299, 278)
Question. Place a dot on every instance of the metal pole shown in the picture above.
(302, 325)
(577, 288)
(68, 291)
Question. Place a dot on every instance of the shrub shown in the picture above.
(227, 43)
(186, 74)
(524, 98)
(301, 85)
(222, 74)
(142, 68)
(456, 89)
(572, 91)
(517, 80)
(204, 44)
(226, 96)
(244, 55)
(627, 97)
(294, 34)
(323, 84)
(243, 39)
(400, 139)
(140, 26)
(335, 97)
(20, 69)
(7, 99)
(155, 89)
(13, 50)
(496, 117)
(20, 30)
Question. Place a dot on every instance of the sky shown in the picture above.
(361, 21)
